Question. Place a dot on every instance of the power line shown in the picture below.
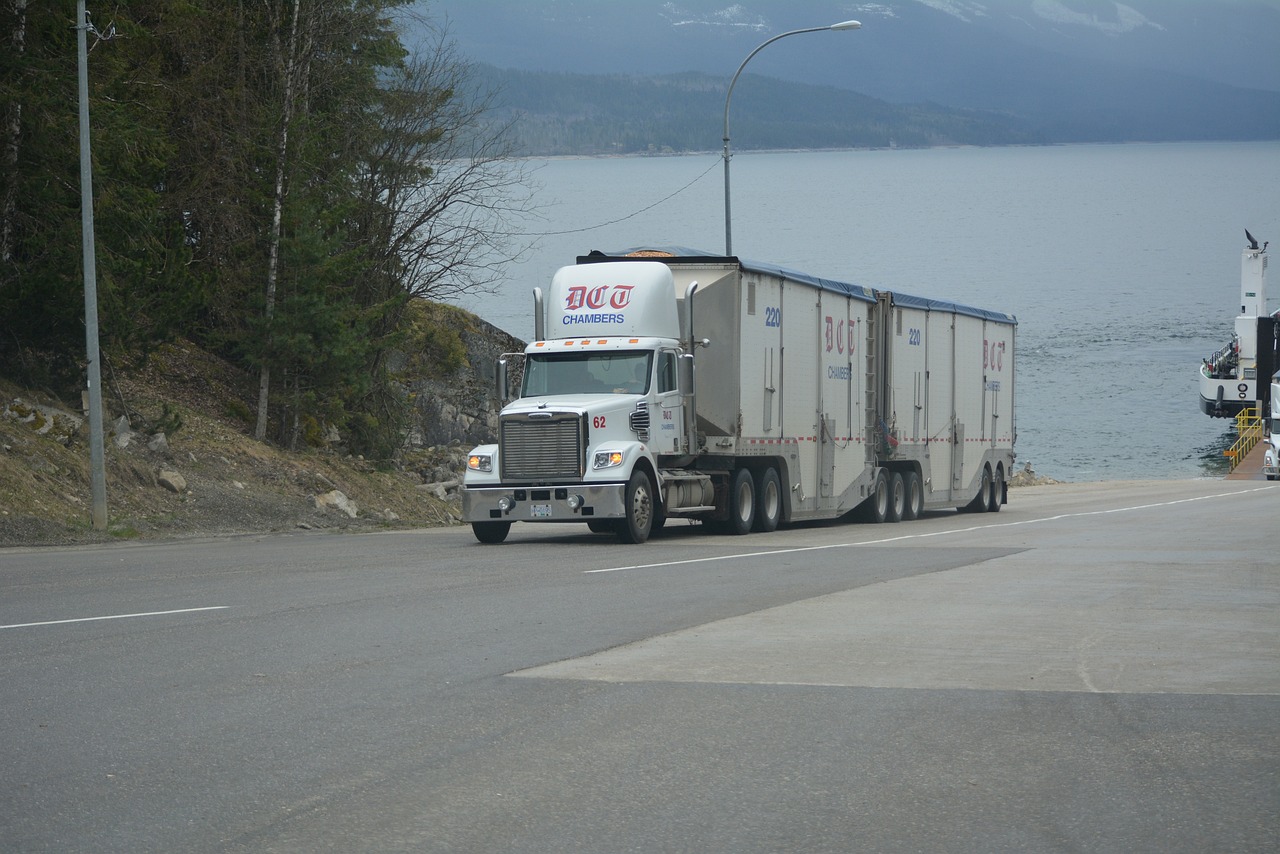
(636, 213)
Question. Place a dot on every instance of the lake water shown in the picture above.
(1121, 263)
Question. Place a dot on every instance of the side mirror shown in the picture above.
(686, 375)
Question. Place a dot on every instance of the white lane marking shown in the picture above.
(922, 536)
(117, 617)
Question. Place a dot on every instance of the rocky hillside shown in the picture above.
(181, 459)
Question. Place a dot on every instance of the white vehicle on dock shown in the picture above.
(1271, 459)
(813, 398)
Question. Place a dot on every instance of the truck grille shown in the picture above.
(542, 448)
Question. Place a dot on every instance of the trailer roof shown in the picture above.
(685, 255)
(951, 308)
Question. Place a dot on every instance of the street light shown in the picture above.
(728, 228)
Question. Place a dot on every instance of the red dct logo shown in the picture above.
(596, 298)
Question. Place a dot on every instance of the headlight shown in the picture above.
(607, 459)
(480, 462)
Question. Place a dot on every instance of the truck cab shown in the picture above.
(600, 401)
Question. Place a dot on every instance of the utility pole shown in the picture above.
(97, 465)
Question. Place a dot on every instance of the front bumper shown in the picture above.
(544, 503)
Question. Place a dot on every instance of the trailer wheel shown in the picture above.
(897, 498)
(491, 532)
(877, 503)
(914, 505)
(997, 491)
(640, 507)
(742, 502)
(980, 501)
(768, 501)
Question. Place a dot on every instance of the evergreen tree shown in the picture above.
(275, 180)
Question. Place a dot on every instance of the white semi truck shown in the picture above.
(667, 384)
(1271, 456)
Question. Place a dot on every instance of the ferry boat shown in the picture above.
(1229, 377)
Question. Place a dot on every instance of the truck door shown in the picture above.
(668, 429)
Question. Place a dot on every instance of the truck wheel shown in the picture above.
(742, 502)
(640, 508)
(876, 507)
(915, 496)
(897, 498)
(491, 532)
(768, 501)
(979, 502)
(997, 491)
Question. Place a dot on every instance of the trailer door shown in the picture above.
(801, 322)
(997, 351)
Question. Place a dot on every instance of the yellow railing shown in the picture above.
(1248, 432)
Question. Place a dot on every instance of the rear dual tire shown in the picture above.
(768, 501)
(877, 503)
(996, 497)
(914, 505)
(755, 503)
(982, 501)
(742, 502)
(896, 496)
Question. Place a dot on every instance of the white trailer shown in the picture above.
(813, 398)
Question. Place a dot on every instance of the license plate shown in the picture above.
(540, 511)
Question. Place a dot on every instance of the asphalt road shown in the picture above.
(1096, 668)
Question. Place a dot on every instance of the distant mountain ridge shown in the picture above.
(577, 114)
(1043, 70)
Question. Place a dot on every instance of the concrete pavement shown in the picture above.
(1152, 587)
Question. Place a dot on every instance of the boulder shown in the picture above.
(337, 500)
(172, 481)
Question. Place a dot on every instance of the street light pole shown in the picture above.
(728, 227)
(97, 466)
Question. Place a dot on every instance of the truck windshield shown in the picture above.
(625, 372)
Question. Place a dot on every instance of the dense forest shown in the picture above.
(556, 114)
(280, 182)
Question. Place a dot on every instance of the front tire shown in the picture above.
(768, 501)
(640, 508)
(491, 533)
